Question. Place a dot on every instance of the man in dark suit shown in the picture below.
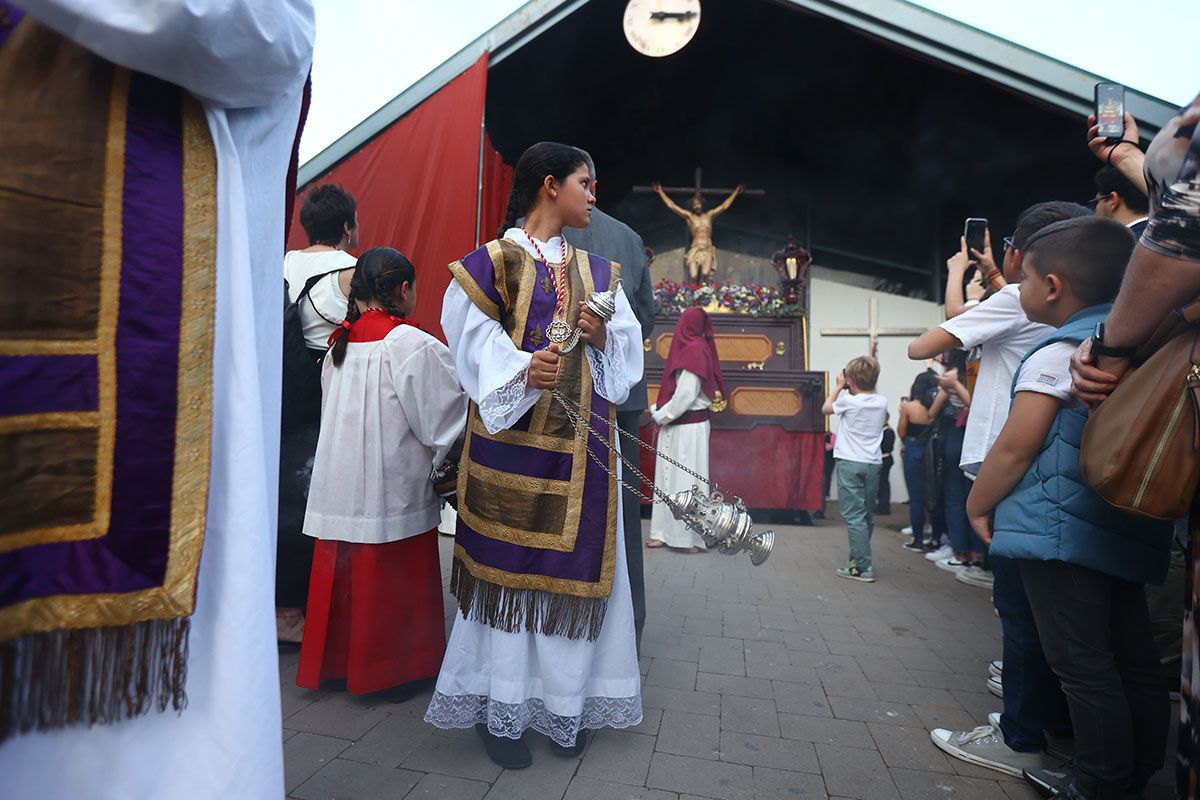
(1117, 198)
(616, 241)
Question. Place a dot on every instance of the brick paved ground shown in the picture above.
(780, 681)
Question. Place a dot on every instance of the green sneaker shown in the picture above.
(985, 747)
(852, 572)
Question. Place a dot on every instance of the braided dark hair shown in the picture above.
(377, 275)
(542, 159)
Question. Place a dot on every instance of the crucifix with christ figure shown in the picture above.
(872, 331)
(701, 254)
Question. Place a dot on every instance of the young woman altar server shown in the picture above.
(545, 637)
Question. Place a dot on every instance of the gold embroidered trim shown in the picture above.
(194, 415)
(57, 420)
(193, 419)
(468, 284)
(585, 273)
(110, 295)
(541, 412)
(524, 297)
(602, 588)
(522, 483)
(49, 347)
(500, 270)
(559, 444)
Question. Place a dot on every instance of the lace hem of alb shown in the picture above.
(608, 370)
(495, 409)
(512, 719)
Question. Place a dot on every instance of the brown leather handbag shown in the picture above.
(1141, 446)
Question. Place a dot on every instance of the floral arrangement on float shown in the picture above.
(751, 299)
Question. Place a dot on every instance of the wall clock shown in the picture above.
(658, 28)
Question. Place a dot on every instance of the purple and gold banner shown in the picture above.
(106, 331)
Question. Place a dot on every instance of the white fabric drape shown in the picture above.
(247, 61)
(515, 681)
(686, 443)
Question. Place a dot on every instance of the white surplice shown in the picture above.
(515, 681)
(389, 414)
(686, 443)
(246, 62)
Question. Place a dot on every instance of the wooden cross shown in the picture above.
(873, 331)
(698, 190)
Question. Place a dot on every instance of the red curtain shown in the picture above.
(417, 187)
(784, 470)
(497, 183)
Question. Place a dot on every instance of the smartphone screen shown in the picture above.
(1110, 110)
(974, 230)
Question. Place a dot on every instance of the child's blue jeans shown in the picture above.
(858, 491)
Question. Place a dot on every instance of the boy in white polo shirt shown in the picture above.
(858, 459)
(1033, 701)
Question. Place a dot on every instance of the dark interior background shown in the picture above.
(870, 155)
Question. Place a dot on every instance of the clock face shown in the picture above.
(659, 28)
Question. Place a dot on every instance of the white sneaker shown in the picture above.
(950, 564)
(995, 686)
(945, 551)
(985, 747)
(906, 530)
(975, 575)
(996, 668)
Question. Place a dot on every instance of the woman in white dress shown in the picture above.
(329, 217)
(691, 379)
(545, 637)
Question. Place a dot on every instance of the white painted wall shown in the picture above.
(838, 305)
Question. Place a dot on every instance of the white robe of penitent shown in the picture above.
(686, 443)
(246, 62)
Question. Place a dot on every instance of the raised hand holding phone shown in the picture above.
(975, 232)
(1110, 111)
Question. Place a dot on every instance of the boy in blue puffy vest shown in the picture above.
(1084, 564)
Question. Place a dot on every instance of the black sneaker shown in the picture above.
(404, 692)
(573, 751)
(915, 546)
(505, 752)
(1050, 782)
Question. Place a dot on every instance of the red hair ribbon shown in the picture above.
(338, 333)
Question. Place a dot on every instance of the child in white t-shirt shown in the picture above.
(858, 458)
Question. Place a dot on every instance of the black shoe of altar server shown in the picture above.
(407, 691)
(575, 750)
(505, 752)
(1050, 782)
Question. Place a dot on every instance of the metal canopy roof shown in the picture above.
(911, 27)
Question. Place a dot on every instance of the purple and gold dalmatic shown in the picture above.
(535, 547)
(108, 214)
